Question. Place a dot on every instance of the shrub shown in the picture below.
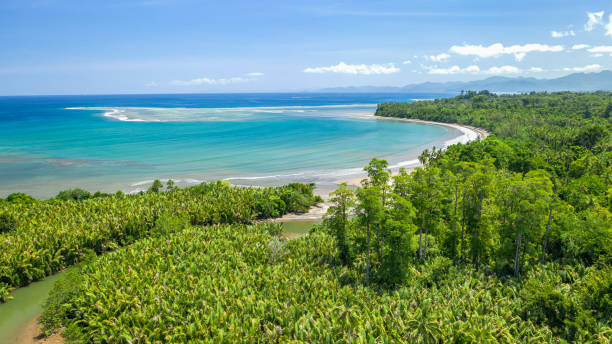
(435, 271)
(7, 223)
(73, 195)
(20, 198)
(57, 308)
(596, 292)
(156, 186)
(4, 291)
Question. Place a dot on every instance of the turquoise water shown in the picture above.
(108, 143)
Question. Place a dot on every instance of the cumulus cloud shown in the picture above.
(503, 70)
(560, 34)
(217, 81)
(407, 62)
(595, 18)
(453, 70)
(589, 68)
(210, 81)
(609, 26)
(498, 49)
(438, 58)
(362, 69)
(474, 69)
(601, 49)
(580, 46)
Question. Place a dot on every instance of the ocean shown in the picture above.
(123, 142)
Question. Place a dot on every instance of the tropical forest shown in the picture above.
(506, 239)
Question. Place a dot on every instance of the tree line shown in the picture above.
(536, 193)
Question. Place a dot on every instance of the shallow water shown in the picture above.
(26, 304)
(298, 226)
(109, 143)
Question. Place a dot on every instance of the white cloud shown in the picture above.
(474, 69)
(559, 34)
(609, 26)
(152, 84)
(503, 70)
(453, 70)
(601, 49)
(596, 55)
(355, 69)
(580, 46)
(595, 18)
(407, 62)
(498, 49)
(218, 81)
(210, 81)
(438, 58)
(589, 68)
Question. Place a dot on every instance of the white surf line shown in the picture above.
(115, 113)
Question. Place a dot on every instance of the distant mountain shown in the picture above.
(601, 81)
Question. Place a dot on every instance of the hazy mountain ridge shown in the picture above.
(601, 81)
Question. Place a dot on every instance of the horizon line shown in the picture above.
(318, 90)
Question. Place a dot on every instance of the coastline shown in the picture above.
(482, 134)
(470, 133)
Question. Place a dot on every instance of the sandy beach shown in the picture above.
(482, 134)
(470, 133)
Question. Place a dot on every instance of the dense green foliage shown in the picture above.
(538, 190)
(228, 284)
(42, 237)
(7, 223)
(74, 195)
(507, 239)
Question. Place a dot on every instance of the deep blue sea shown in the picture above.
(112, 142)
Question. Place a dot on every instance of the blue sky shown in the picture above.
(159, 46)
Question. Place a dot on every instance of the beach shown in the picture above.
(470, 133)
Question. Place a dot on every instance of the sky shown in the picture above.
(190, 46)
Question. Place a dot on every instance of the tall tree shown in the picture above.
(425, 192)
(369, 214)
(337, 218)
(379, 176)
(524, 208)
(478, 177)
(399, 228)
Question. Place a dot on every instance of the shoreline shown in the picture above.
(467, 130)
(482, 133)
(317, 212)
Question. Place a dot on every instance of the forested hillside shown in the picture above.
(503, 240)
